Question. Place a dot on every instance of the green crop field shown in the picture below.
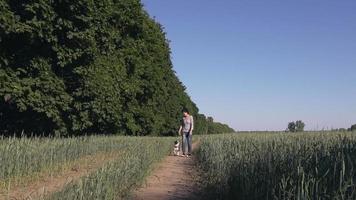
(279, 166)
(308, 165)
(28, 159)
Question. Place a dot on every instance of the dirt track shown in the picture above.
(174, 178)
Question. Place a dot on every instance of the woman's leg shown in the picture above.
(189, 144)
(184, 144)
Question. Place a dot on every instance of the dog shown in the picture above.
(176, 151)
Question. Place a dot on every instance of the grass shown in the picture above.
(27, 156)
(24, 159)
(300, 166)
(116, 180)
(279, 166)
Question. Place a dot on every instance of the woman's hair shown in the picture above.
(185, 110)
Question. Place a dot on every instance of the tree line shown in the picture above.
(298, 126)
(85, 67)
(352, 128)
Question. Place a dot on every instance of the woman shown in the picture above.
(186, 130)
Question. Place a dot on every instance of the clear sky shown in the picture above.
(258, 64)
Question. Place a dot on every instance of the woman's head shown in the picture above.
(185, 112)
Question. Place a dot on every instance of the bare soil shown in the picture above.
(174, 178)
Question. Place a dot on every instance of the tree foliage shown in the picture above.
(353, 127)
(291, 127)
(297, 126)
(206, 125)
(79, 67)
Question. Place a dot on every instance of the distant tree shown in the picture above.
(299, 126)
(210, 119)
(353, 127)
(291, 126)
(201, 124)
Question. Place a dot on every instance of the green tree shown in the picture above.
(82, 67)
(299, 126)
(353, 127)
(292, 126)
(210, 119)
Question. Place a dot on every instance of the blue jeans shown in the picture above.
(187, 143)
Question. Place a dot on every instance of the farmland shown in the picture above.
(308, 165)
(125, 163)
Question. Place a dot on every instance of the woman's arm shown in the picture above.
(191, 125)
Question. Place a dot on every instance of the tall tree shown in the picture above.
(81, 67)
(299, 125)
(291, 126)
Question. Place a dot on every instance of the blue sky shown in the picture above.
(257, 64)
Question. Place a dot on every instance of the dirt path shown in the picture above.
(49, 184)
(174, 178)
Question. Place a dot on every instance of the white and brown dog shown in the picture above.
(176, 151)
